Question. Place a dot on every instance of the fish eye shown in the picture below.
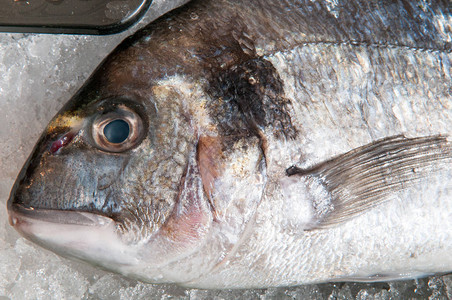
(118, 130)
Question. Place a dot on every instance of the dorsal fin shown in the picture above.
(364, 177)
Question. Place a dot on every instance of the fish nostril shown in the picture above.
(61, 142)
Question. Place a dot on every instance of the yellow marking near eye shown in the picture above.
(66, 120)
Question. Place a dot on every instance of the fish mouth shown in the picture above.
(20, 215)
(82, 235)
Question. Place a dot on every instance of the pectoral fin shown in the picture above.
(364, 177)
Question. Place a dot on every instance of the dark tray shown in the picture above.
(70, 16)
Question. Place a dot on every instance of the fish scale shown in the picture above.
(338, 93)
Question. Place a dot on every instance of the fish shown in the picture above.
(252, 144)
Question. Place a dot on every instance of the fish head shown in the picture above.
(136, 173)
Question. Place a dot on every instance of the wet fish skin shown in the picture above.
(231, 95)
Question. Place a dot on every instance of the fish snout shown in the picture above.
(16, 197)
(49, 144)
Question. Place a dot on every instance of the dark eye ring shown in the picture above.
(118, 130)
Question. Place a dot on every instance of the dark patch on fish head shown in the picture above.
(245, 89)
(249, 98)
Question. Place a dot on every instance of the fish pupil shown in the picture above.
(116, 131)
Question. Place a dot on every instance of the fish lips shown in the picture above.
(82, 235)
(19, 214)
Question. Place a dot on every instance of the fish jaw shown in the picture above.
(95, 238)
(82, 235)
